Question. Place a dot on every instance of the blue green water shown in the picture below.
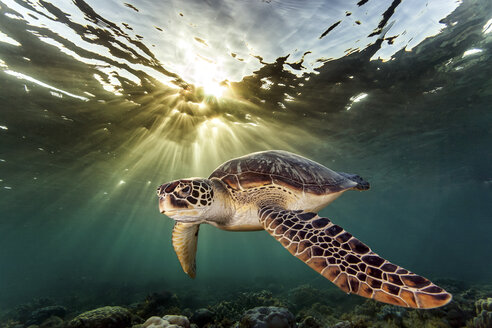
(101, 103)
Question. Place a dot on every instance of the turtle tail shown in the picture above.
(361, 183)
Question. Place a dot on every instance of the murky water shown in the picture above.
(101, 102)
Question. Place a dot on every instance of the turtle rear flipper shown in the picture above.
(361, 183)
(185, 238)
(347, 262)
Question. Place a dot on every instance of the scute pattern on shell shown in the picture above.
(282, 168)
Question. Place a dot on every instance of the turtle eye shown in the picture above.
(184, 192)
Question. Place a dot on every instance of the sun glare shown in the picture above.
(208, 76)
(214, 89)
(203, 72)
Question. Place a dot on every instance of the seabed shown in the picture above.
(304, 306)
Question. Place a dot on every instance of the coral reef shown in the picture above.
(231, 311)
(261, 298)
(167, 321)
(268, 317)
(392, 313)
(227, 312)
(309, 322)
(304, 296)
(105, 317)
(342, 324)
(202, 316)
(321, 313)
(24, 312)
(301, 306)
(158, 304)
(484, 313)
(40, 315)
(53, 322)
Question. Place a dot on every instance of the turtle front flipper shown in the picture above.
(347, 262)
(185, 238)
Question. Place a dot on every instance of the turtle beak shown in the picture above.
(166, 205)
(162, 204)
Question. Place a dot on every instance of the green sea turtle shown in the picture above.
(281, 193)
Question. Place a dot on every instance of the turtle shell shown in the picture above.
(282, 168)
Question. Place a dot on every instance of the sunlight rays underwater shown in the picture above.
(148, 131)
(185, 129)
(175, 131)
(119, 118)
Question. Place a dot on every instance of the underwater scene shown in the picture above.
(169, 163)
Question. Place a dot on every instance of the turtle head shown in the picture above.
(186, 200)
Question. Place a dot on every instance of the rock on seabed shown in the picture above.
(268, 317)
(167, 321)
(105, 317)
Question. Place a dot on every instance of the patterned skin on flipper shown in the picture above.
(347, 262)
(185, 238)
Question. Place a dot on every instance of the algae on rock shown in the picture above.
(105, 317)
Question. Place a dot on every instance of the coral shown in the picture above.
(304, 296)
(363, 315)
(313, 308)
(158, 304)
(11, 324)
(357, 321)
(228, 311)
(23, 312)
(202, 316)
(168, 321)
(484, 313)
(456, 314)
(391, 312)
(155, 322)
(232, 311)
(342, 324)
(261, 298)
(428, 318)
(52, 322)
(105, 317)
(179, 320)
(320, 312)
(369, 308)
(268, 317)
(310, 322)
(44, 313)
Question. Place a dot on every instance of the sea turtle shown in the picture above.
(281, 192)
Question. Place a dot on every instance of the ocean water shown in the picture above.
(103, 101)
